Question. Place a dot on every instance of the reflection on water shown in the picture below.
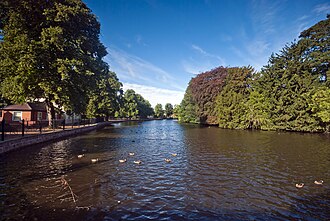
(216, 175)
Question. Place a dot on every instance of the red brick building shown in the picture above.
(32, 112)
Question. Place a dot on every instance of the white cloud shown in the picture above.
(202, 61)
(156, 95)
(199, 49)
(133, 69)
(322, 8)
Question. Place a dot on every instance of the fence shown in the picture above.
(27, 128)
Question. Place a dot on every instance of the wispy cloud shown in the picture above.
(322, 8)
(202, 61)
(131, 68)
(156, 95)
(140, 41)
(261, 40)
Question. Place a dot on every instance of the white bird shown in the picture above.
(95, 160)
(320, 182)
(81, 155)
(137, 161)
(300, 185)
(174, 154)
(122, 161)
(168, 160)
(131, 154)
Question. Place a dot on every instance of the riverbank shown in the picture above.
(14, 144)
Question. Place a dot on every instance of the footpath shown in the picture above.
(21, 142)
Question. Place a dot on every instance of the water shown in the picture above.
(216, 175)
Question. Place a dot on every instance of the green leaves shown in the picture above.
(290, 93)
(159, 112)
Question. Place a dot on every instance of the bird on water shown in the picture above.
(300, 185)
(320, 182)
(95, 160)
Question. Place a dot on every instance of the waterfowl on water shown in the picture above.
(137, 161)
(174, 154)
(300, 185)
(131, 154)
(95, 160)
(168, 160)
(122, 161)
(320, 182)
(81, 155)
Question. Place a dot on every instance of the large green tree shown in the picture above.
(293, 76)
(168, 109)
(159, 112)
(50, 50)
(133, 105)
(104, 100)
(231, 101)
(188, 110)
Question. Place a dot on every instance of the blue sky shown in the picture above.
(155, 47)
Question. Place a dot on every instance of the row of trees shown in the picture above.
(50, 51)
(160, 112)
(292, 92)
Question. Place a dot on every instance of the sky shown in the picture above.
(156, 46)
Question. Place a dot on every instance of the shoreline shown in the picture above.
(22, 142)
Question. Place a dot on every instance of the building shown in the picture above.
(31, 112)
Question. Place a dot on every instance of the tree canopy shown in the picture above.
(168, 110)
(291, 92)
(159, 112)
(134, 105)
(51, 50)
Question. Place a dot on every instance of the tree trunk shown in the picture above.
(50, 113)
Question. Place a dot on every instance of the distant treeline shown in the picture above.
(291, 92)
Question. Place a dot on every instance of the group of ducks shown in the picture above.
(95, 160)
(301, 185)
(167, 160)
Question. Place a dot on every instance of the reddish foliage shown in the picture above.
(205, 87)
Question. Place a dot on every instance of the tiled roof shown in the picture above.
(26, 107)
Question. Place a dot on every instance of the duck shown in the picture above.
(122, 161)
(95, 160)
(320, 182)
(131, 154)
(168, 160)
(81, 155)
(137, 161)
(174, 154)
(300, 185)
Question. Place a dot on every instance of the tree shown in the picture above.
(231, 101)
(204, 89)
(176, 111)
(134, 105)
(294, 75)
(188, 109)
(144, 107)
(129, 106)
(50, 50)
(320, 106)
(105, 98)
(159, 112)
(168, 109)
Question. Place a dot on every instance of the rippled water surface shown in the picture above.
(216, 175)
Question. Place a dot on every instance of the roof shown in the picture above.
(26, 107)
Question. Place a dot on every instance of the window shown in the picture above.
(39, 116)
(17, 115)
